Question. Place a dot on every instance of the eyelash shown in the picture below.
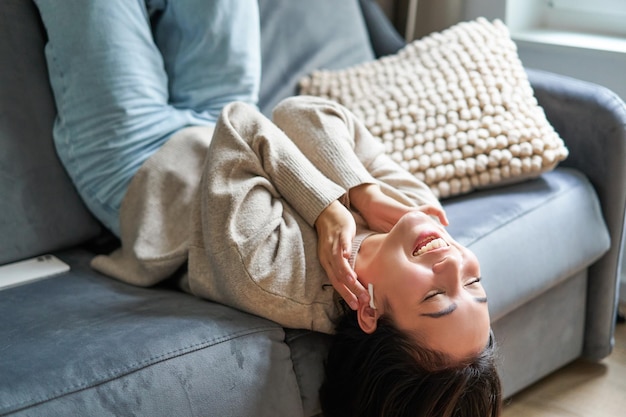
(428, 297)
(474, 281)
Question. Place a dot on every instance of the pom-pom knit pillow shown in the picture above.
(455, 108)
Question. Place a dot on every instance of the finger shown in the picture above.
(443, 218)
(357, 288)
(350, 288)
(348, 296)
(354, 294)
(435, 211)
(343, 248)
(342, 281)
(341, 277)
(339, 261)
(354, 284)
(345, 240)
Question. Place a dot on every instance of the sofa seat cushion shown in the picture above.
(531, 236)
(83, 344)
(308, 353)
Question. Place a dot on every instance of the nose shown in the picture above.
(448, 270)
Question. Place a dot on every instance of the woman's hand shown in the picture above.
(335, 230)
(382, 212)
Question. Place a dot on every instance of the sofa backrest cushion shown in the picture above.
(40, 210)
(299, 36)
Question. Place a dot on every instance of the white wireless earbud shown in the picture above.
(370, 288)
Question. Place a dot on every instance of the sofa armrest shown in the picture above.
(592, 121)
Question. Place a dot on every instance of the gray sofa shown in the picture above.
(82, 344)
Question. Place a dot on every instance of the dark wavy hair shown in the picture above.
(389, 374)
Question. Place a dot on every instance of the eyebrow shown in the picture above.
(450, 309)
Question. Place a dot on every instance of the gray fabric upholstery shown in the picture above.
(299, 36)
(308, 351)
(384, 38)
(546, 253)
(41, 211)
(592, 121)
(83, 344)
(105, 348)
(542, 335)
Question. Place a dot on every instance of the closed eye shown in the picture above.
(473, 281)
(432, 295)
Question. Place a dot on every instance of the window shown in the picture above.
(597, 6)
(604, 17)
(590, 24)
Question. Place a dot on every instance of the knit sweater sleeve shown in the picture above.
(342, 148)
(330, 138)
(295, 178)
(254, 246)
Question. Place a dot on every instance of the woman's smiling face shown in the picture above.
(428, 284)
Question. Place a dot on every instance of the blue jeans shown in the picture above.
(127, 74)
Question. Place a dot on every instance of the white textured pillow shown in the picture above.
(455, 108)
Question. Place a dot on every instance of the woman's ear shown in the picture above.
(368, 318)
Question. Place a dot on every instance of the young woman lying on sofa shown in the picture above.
(266, 216)
(421, 345)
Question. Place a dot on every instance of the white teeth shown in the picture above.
(432, 245)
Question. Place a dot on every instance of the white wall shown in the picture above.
(599, 59)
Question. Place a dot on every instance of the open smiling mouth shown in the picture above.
(429, 244)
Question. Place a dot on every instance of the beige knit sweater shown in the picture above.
(238, 205)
